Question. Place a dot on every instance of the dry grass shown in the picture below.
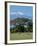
(20, 36)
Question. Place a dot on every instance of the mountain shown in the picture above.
(20, 20)
(20, 16)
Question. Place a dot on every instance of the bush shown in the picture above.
(13, 30)
(30, 28)
(21, 28)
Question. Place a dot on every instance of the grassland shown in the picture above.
(21, 36)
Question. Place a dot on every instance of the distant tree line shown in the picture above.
(20, 28)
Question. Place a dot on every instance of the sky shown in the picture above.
(20, 11)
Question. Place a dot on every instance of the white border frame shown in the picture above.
(8, 23)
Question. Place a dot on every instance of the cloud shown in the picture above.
(13, 13)
(17, 13)
(20, 13)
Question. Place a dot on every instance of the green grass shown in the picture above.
(21, 36)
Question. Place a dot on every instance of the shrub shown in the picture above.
(30, 28)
